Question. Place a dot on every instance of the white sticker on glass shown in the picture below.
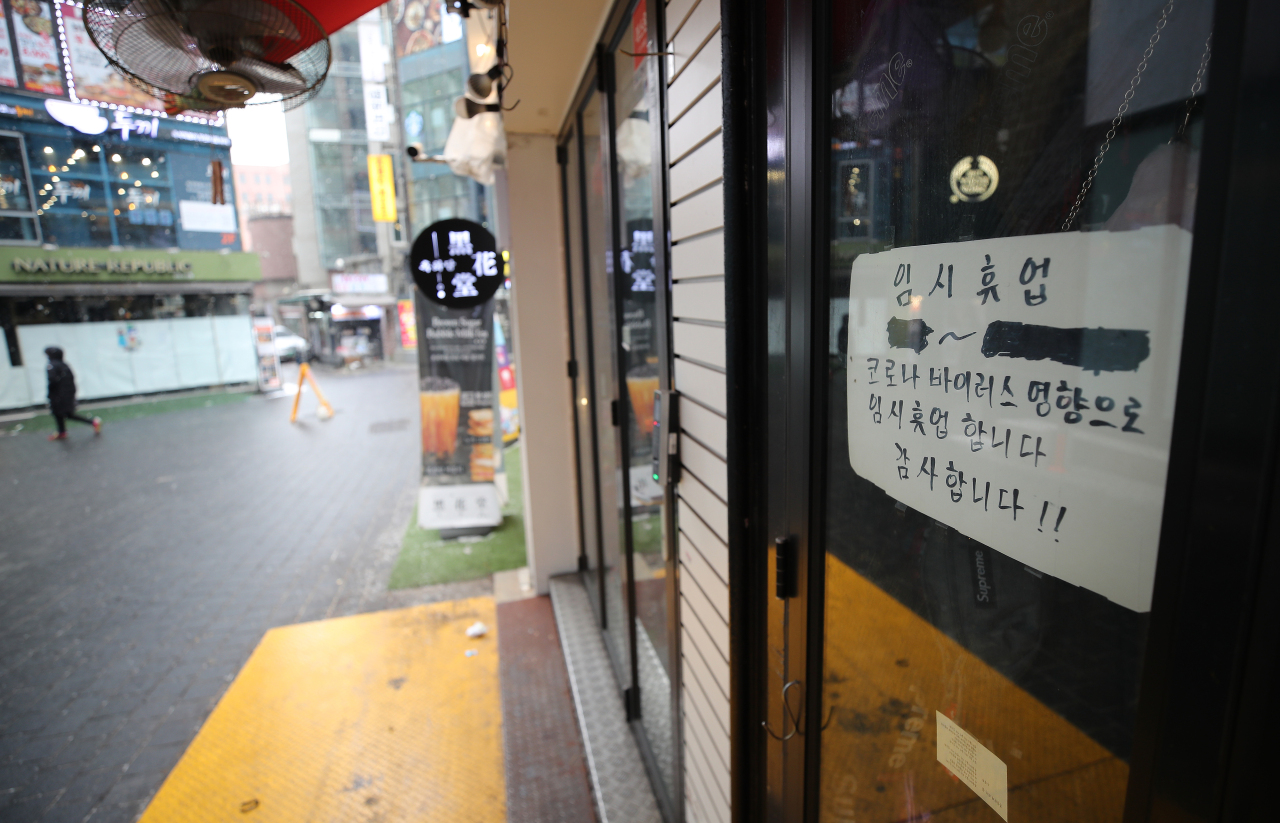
(974, 764)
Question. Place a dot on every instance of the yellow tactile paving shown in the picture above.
(378, 717)
(888, 671)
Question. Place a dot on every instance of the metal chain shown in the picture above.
(1115, 123)
(1196, 86)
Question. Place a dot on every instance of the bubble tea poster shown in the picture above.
(455, 363)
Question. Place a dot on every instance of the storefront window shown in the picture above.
(100, 191)
(442, 195)
(340, 106)
(17, 195)
(27, 311)
(1012, 192)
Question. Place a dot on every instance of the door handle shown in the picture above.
(788, 715)
(795, 720)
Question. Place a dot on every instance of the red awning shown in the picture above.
(334, 14)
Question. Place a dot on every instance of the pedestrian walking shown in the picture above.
(62, 395)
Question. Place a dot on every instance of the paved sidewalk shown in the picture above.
(139, 570)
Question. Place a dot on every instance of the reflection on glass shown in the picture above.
(604, 336)
(1005, 326)
(584, 408)
(636, 284)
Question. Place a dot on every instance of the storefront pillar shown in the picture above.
(540, 326)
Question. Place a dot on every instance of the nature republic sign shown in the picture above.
(19, 264)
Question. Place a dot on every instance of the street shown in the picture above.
(139, 570)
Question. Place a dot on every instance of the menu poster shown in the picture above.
(418, 25)
(8, 71)
(455, 364)
(38, 52)
(95, 78)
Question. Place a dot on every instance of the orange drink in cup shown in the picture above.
(440, 398)
(642, 382)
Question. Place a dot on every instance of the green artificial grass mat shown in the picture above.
(129, 411)
(426, 559)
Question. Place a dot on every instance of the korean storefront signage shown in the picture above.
(382, 188)
(455, 263)
(71, 265)
(92, 120)
(378, 113)
(1020, 390)
(359, 283)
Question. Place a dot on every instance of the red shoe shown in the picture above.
(62, 436)
(97, 425)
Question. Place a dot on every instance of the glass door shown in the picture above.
(1007, 261)
(643, 372)
(618, 304)
(582, 370)
(609, 578)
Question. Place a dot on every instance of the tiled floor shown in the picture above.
(547, 779)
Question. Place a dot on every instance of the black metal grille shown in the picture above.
(168, 46)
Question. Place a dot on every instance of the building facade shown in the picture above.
(261, 191)
(114, 246)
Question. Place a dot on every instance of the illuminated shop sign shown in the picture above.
(84, 119)
(90, 120)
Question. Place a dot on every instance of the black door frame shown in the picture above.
(1206, 718)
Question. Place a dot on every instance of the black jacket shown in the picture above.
(62, 387)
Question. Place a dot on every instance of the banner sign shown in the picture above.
(359, 283)
(264, 335)
(94, 77)
(455, 263)
(8, 69)
(408, 326)
(382, 188)
(39, 53)
(1021, 391)
(455, 364)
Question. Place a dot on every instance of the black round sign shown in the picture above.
(456, 263)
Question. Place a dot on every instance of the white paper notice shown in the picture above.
(974, 764)
(1021, 390)
(216, 217)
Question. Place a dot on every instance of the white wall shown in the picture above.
(694, 106)
(177, 353)
(540, 326)
(14, 391)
